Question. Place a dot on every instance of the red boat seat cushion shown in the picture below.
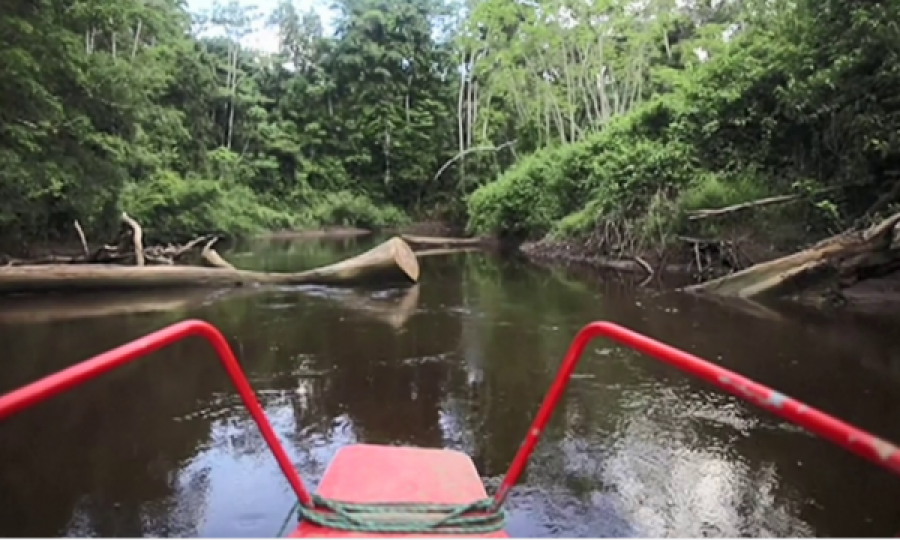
(365, 473)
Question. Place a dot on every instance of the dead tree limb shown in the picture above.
(137, 238)
(467, 151)
(213, 258)
(759, 203)
(84, 244)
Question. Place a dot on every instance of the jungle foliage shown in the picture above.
(705, 105)
(521, 118)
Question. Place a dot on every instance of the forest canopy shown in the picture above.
(519, 118)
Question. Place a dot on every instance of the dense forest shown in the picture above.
(519, 118)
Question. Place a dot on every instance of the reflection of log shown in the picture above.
(746, 306)
(386, 262)
(54, 308)
(392, 311)
(41, 309)
(444, 242)
(833, 264)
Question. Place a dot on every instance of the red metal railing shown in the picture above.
(851, 438)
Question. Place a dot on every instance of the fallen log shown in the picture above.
(434, 242)
(391, 260)
(826, 268)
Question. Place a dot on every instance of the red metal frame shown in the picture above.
(849, 437)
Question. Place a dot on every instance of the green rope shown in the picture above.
(478, 517)
(287, 519)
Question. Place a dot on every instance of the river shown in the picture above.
(163, 447)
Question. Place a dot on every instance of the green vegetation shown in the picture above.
(520, 118)
(139, 106)
(801, 97)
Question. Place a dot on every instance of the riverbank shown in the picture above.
(697, 255)
(855, 270)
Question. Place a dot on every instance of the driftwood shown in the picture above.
(824, 269)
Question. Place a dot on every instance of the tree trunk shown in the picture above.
(391, 261)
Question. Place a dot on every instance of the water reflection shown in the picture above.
(165, 448)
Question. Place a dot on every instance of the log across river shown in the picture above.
(164, 448)
(393, 260)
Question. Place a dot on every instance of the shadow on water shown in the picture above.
(164, 447)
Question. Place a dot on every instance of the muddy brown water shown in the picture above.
(164, 447)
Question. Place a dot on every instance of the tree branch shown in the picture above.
(456, 158)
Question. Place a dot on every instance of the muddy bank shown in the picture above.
(858, 269)
(585, 256)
